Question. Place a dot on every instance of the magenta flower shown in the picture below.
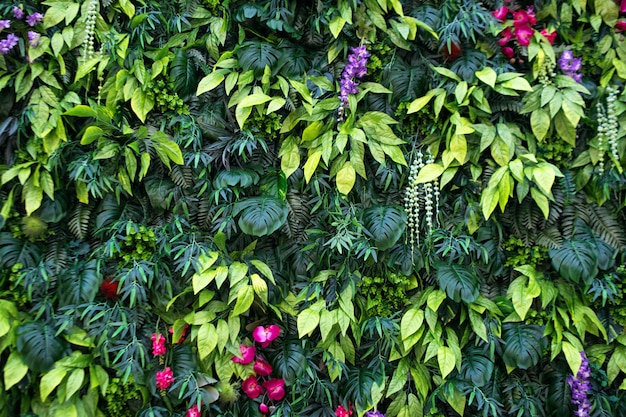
(263, 408)
(505, 36)
(508, 52)
(9, 43)
(524, 18)
(247, 355)
(5, 24)
(342, 412)
(550, 36)
(264, 335)
(500, 13)
(164, 378)
(262, 368)
(620, 25)
(622, 6)
(524, 34)
(580, 386)
(34, 18)
(193, 411)
(275, 389)
(158, 344)
(251, 387)
(18, 13)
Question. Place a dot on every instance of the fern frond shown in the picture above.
(78, 223)
(605, 225)
(550, 238)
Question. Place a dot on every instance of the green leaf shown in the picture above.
(575, 260)
(74, 382)
(308, 320)
(540, 123)
(211, 81)
(141, 104)
(262, 215)
(336, 25)
(50, 381)
(346, 177)
(458, 281)
(523, 295)
(207, 340)
(429, 172)
(386, 224)
(245, 297)
(446, 360)
(517, 83)
(524, 345)
(14, 370)
(488, 76)
(254, 99)
(411, 322)
(92, 133)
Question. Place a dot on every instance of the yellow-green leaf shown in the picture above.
(346, 177)
(308, 319)
(446, 360)
(428, 173)
(207, 339)
(245, 297)
(211, 81)
(14, 370)
(50, 381)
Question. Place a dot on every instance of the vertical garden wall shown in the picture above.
(312, 208)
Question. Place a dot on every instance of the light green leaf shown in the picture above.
(517, 83)
(346, 176)
(74, 382)
(487, 75)
(254, 99)
(308, 319)
(50, 381)
(336, 25)
(141, 104)
(411, 322)
(245, 297)
(14, 370)
(207, 339)
(446, 360)
(540, 123)
(544, 176)
(429, 172)
(211, 81)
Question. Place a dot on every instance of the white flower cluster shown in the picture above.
(90, 29)
(608, 128)
(420, 197)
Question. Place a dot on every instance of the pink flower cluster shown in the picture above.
(193, 411)
(274, 388)
(520, 30)
(620, 26)
(158, 344)
(343, 412)
(164, 378)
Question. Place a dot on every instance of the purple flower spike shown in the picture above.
(571, 65)
(580, 386)
(5, 24)
(18, 13)
(33, 38)
(355, 69)
(34, 18)
(374, 414)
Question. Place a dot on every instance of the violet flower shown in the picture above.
(571, 65)
(355, 69)
(34, 18)
(374, 414)
(33, 38)
(5, 24)
(18, 13)
(9, 43)
(580, 386)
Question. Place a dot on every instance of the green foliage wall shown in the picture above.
(446, 240)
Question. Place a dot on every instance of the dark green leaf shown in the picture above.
(458, 281)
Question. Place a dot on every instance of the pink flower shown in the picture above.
(263, 408)
(622, 6)
(264, 335)
(342, 412)
(251, 387)
(158, 344)
(262, 368)
(164, 378)
(551, 36)
(247, 354)
(193, 411)
(508, 52)
(500, 13)
(524, 17)
(506, 36)
(275, 389)
(620, 26)
(524, 34)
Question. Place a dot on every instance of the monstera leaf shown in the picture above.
(256, 55)
(386, 223)
(289, 360)
(79, 283)
(236, 176)
(15, 251)
(576, 259)
(476, 367)
(524, 344)
(262, 215)
(458, 281)
(39, 345)
(184, 74)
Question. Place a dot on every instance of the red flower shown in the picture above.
(262, 368)
(247, 354)
(108, 288)
(158, 344)
(508, 52)
(342, 412)
(621, 25)
(275, 389)
(264, 335)
(524, 34)
(164, 378)
(263, 408)
(549, 36)
(251, 387)
(501, 13)
(193, 411)
(506, 36)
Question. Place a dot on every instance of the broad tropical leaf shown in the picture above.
(523, 344)
(575, 260)
(458, 281)
(184, 74)
(256, 55)
(260, 216)
(39, 345)
(386, 224)
(476, 367)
